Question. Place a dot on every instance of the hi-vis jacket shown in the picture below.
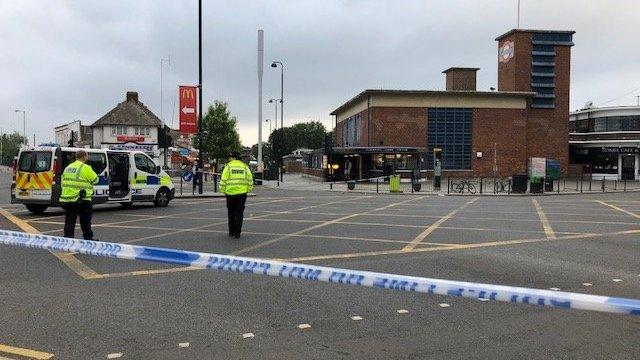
(76, 177)
(236, 178)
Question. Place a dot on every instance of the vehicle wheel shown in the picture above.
(126, 205)
(162, 198)
(36, 209)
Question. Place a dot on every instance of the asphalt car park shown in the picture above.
(81, 307)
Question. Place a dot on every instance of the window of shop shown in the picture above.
(450, 130)
(351, 131)
(600, 125)
(605, 164)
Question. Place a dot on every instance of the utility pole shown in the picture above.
(260, 73)
(518, 22)
(200, 153)
(162, 61)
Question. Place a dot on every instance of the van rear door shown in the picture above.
(34, 176)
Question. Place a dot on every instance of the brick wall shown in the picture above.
(506, 128)
(399, 126)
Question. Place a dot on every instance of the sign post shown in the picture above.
(188, 122)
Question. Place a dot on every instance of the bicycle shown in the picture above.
(501, 185)
(460, 185)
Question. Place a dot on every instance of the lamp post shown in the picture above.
(200, 153)
(24, 124)
(162, 61)
(269, 125)
(275, 102)
(275, 64)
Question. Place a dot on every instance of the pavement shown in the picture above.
(81, 307)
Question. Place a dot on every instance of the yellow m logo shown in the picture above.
(188, 94)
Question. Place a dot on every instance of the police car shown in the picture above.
(125, 177)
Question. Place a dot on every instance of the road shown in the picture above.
(82, 307)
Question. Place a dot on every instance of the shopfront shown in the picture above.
(354, 163)
(609, 162)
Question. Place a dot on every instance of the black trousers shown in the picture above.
(235, 211)
(82, 209)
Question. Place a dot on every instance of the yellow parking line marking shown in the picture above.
(423, 235)
(223, 222)
(317, 226)
(457, 247)
(619, 209)
(148, 272)
(68, 259)
(33, 354)
(548, 230)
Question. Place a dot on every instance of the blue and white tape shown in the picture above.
(320, 273)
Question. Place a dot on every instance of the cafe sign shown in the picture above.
(621, 150)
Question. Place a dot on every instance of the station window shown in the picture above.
(450, 130)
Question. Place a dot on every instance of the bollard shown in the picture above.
(615, 184)
(581, 181)
(509, 190)
(576, 184)
(558, 187)
(448, 185)
(590, 178)
(481, 186)
(215, 182)
(602, 184)
(377, 185)
(180, 185)
(331, 186)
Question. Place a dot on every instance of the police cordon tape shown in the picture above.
(276, 268)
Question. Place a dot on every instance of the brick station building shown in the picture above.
(526, 117)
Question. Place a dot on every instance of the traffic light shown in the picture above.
(164, 137)
(72, 139)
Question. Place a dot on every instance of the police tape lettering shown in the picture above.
(245, 265)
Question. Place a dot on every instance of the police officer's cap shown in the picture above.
(235, 154)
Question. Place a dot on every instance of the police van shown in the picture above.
(125, 177)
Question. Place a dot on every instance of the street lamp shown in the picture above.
(24, 124)
(275, 102)
(275, 64)
(267, 120)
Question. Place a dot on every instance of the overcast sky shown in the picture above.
(68, 60)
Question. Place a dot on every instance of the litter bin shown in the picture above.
(548, 185)
(394, 183)
(351, 185)
(519, 184)
(536, 187)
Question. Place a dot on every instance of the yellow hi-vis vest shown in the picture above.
(76, 177)
(236, 178)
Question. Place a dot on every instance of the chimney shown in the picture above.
(132, 96)
(460, 78)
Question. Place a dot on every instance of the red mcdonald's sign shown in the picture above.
(188, 122)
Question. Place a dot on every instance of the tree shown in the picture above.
(309, 135)
(10, 145)
(219, 133)
(266, 152)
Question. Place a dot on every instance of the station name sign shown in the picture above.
(621, 150)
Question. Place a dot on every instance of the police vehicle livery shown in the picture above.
(125, 177)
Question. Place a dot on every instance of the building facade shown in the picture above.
(605, 142)
(82, 135)
(481, 133)
(128, 126)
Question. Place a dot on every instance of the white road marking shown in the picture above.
(356, 318)
(403, 311)
(444, 305)
(587, 284)
(304, 326)
(247, 335)
(554, 289)
(184, 345)
(114, 356)
(616, 280)
(483, 299)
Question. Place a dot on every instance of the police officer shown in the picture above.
(236, 181)
(77, 188)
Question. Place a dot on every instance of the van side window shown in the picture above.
(25, 161)
(145, 164)
(98, 162)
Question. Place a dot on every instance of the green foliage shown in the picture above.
(219, 132)
(266, 152)
(10, 145)
(302, 135)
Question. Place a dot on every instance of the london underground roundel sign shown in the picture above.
(505, 52)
